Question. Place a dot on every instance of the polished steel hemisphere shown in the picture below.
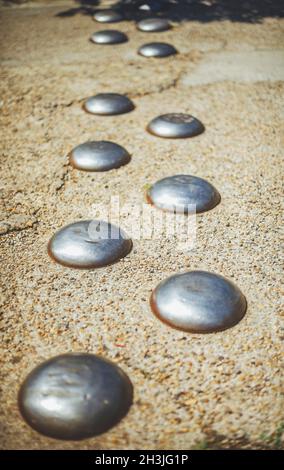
(153, 25)
(198, 302)
(151, 5)
(108, 104)
(89, 244)
(183, 194)
(108, 16)
(109, 36)
(98, 156)
(175, 126)
(157, 49)
(75, 396)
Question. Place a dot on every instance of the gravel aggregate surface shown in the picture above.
(221, 390)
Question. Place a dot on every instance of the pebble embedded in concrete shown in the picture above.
(89, 244)
(75, 396)
(198, 302)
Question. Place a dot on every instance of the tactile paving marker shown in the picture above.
(175, 126)
(198, 302)
(108, 16)
(108, 104)
(109, 36)
(75, 396)
(183, 193)
(98, 156)
(153, 25)
(89, 244)
(157, 49)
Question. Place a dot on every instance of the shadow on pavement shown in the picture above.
(248, 11)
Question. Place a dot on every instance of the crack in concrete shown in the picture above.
(80, 101)
(63, 178)
(173, 84)
(10, 229)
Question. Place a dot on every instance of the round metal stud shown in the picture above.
(98, 156)
(109, 36)
(153, 25)
(157, 49)
(198, 302)
(75, 396)
(152, 5)
(89, 244)
(176, 193)
(108, 16)
(108, 104)
(175, 126)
